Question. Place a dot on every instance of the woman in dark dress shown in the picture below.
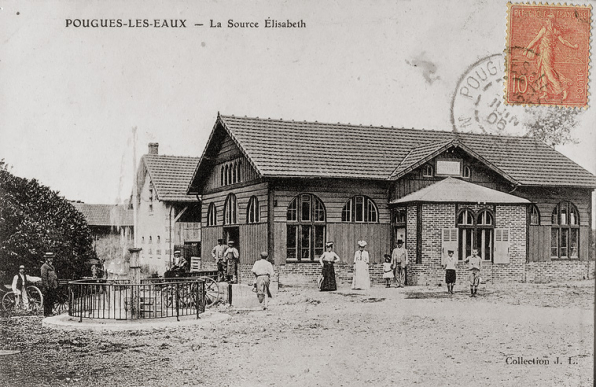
(328, 258)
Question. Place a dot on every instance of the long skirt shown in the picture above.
(328, 277)
(450, 276)
(361, 278)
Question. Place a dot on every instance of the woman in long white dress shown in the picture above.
(361, 280)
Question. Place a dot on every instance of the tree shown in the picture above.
(551, 124)
(34, 219)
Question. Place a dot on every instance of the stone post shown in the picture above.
(135, 279)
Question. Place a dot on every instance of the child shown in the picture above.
(450, 262)
(474, 268)
(387, 270)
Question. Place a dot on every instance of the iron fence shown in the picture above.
(152, 298)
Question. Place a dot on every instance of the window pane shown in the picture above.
(291, 242)
(465, 242)
(372, 211)
(484, 239)
(319, 240)
(292, 210)
(573, 216)
(319, 211)
(305, 242)
(359, 208)
(346, 212)
(564, 242)
(563, 216)
(573, 243)
(305, 203)
(555, 216)
(554, 242)
(534, 216)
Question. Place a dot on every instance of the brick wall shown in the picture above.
(435, 217)
(541, 272)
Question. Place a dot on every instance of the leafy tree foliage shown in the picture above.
(552, 125)
(33, 220)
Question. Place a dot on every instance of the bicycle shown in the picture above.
(9, 300)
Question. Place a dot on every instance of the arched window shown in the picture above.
(150, 239)
(476, 231)
(143, 240)
(230, 210)
(360, 209)
(305, 228)
(565, 231)
(427, 170)
(534, 215)
(234, 173)
(230, 174)
(238, 167)
(467, 172)
(252, 212)
(484, 235)
(222, 175)
(211, 215)
(226, 173)
(158, 239)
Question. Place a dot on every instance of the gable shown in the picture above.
(223, 164)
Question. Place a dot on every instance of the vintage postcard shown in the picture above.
(297, 193)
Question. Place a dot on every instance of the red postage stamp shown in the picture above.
(548, 55)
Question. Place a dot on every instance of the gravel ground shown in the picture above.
(412, 336)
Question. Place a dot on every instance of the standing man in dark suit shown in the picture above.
(49, 283)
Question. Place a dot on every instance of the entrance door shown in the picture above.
(232, 234)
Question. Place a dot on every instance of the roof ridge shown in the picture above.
(368, 127)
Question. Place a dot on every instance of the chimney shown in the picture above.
(153, 148)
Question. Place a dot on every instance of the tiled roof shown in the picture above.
(105, 214)
(452, 190)
(418, 155)
(278, 148)
(171, 175)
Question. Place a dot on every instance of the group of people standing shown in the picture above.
(393, 268)
(49, 284)
(227, 257)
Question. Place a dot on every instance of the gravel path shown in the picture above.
(412, 336)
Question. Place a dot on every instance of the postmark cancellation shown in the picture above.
(547, 54)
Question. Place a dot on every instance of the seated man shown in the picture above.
(179, 262)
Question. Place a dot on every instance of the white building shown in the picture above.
(167, 219)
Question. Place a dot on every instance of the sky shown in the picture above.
(71, 96)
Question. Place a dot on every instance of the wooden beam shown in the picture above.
(180, 214)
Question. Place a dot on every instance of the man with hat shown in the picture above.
(263, 271)
(231, 257)
(179, 261)
(218, 255)
(19, 287)
(399, 261)
(49, 283)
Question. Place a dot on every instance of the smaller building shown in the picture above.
(167, 218)
(111, 226)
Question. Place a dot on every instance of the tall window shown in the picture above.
(150, 199)
(306, 228)
(565, 231)
(476, 231)
(359, 209)
(230, 210)
(211, 215)
(427, 170)
(252, 212)
(534, 215)
(467, 172)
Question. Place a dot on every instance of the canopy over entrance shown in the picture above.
(451, 190)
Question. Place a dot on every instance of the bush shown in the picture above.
(34, 219)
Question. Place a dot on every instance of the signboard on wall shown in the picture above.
(448, 168)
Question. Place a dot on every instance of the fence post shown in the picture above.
(177, 301)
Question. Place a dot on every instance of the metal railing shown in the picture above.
(152, 298)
